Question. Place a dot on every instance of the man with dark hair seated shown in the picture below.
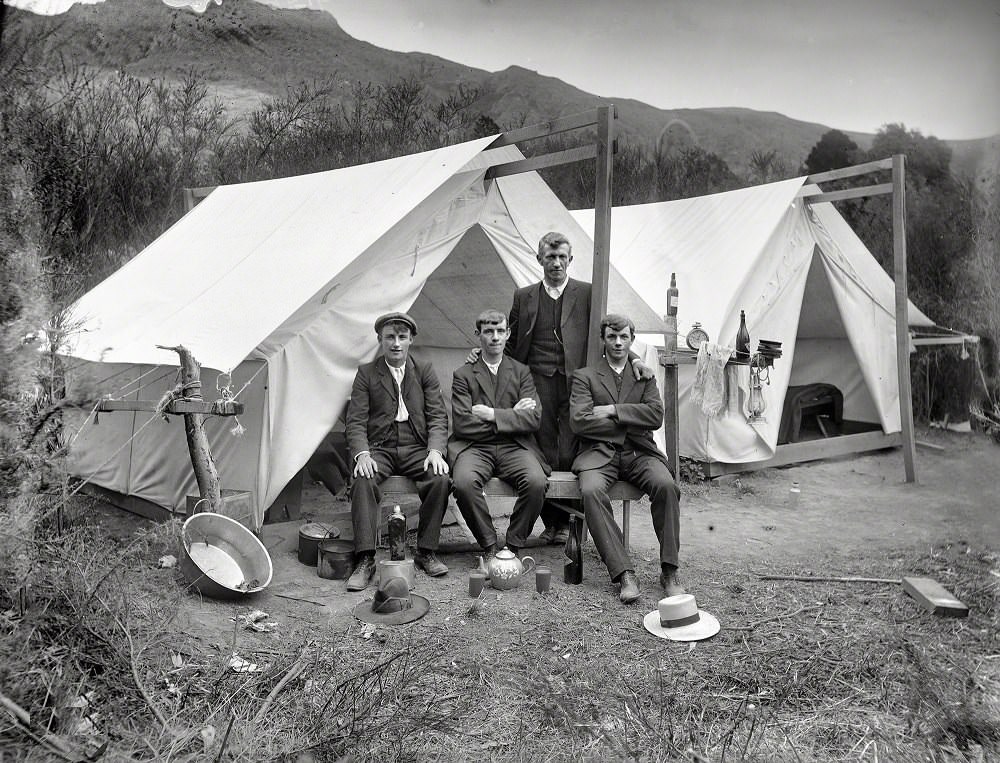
(396, 424)
(495, 413)
(614, 417)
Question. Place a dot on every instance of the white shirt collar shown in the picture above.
(397, 373)
(555, 291)
(494, 369)
(620, 370)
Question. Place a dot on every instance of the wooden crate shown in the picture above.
(235, 505)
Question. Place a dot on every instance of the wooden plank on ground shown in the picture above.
(811, 450)
(934, 597)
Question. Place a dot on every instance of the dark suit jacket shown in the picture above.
(471, 386)
(640, 413)
(374, 403)
(574, 324)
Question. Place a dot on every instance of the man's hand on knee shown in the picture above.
(435, 462)
(365, 466)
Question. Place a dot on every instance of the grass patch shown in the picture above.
(800, 671)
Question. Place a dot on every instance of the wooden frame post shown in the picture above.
(897, 187)
(602, 231)
(902, 314)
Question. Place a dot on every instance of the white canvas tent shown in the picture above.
(803, 277)
(279, 283)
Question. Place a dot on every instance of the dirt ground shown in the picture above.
(852, 512)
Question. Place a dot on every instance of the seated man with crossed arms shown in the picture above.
(495, 414)
(614, 417)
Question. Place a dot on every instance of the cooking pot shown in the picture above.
(335, 559)
(310, 535)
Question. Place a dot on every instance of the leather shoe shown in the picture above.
(429, 563)
(363, 573)
(629, 584)
(670, 584)
(555, 536)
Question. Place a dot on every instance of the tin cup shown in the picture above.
(477, 581)
(543, 578)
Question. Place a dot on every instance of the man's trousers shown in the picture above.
(517, 467)
(652, 477)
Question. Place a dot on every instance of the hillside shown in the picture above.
(247, 51)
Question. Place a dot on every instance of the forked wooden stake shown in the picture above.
(194, 428)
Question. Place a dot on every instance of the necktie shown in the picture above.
(401, 413)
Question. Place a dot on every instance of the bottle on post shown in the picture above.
(573, 569)
(397, 535)
(743, 340)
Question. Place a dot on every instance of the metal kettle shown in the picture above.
(505, 569)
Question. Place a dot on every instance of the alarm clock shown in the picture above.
(696, 336)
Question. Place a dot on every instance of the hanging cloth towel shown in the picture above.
(709, 389)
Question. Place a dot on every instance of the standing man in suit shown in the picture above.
(495, 413)
(396, 424)
(614, 417)
(549, 322)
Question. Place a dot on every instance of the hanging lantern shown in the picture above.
(756, 403)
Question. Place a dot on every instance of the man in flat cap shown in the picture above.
(496, 413)
(396, 424)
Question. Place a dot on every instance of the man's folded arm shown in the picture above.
(647, 414)
(514, 421)
(464, 425)
(581, 412)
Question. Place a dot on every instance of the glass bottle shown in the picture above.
(743, 340)
(397, 535)
(573, 569)
(793, 495)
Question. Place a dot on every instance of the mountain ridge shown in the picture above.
(250, 51)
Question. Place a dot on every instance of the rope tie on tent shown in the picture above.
(225, 395)
(250, 380)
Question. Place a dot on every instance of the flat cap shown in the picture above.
(400, 317)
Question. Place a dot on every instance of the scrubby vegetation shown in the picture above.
(92, 168)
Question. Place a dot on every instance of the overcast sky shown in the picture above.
(853, 64)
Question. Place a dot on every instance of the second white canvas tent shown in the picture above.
(279, 283)
(803, 277)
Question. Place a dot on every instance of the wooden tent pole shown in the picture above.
(902, 314)
(602, 230)
(671, 416)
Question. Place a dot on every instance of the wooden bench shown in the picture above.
(561, 485)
